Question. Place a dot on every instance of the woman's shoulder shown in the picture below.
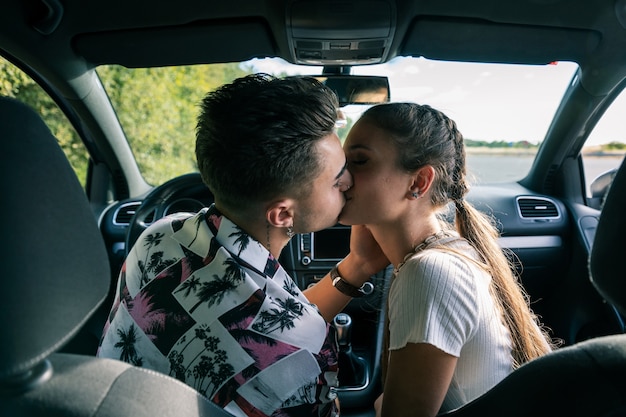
(438, 270)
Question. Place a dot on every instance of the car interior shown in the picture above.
(65, 237)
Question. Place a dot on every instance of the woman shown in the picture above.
(458, 321)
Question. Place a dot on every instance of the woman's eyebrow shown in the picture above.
(358, 146)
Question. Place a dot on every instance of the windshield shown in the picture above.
(502, 110)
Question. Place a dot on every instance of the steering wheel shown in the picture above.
(178, 194)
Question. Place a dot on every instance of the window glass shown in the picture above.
(605, 147)
(495, 106)
(15, 83)
(502, 110)
(158, 107)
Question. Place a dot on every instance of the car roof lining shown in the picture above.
(127, 33)
(430, 36)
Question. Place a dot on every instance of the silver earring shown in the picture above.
(415, 194)
(290, 232)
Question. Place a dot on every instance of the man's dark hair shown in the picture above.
(255, 137)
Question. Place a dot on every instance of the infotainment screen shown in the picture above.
(331, 244)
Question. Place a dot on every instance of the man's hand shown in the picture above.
(365, 251)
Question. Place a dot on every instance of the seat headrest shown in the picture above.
(608, 273)
(54, 268)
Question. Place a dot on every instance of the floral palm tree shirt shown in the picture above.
(202, 301)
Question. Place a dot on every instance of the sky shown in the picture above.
(490, 102)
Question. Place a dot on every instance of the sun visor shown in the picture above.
(214, 42)
(476, 40)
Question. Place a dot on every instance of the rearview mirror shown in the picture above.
(358, 89)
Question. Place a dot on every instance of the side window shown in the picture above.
(604, 151)
(15, 83)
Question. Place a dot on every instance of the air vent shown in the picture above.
(125, 213)
(537, 208)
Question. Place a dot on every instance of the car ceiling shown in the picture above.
(76, 35)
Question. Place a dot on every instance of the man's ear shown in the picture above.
(280, 213)
(423, 179)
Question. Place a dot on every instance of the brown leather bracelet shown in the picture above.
(348, 289)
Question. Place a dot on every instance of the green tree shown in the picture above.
(613, 146)
(157, 108)
(342, 131)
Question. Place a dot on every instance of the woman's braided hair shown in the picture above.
(426, 136)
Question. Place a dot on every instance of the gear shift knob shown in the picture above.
(343, 325)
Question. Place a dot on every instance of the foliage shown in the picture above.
(615, 146)
(342, 131)
(157, 108)
(500, 144)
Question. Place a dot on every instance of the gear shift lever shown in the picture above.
(352, 368)
(343, 325)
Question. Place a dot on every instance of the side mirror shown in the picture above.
(358, 89)
(600, 186)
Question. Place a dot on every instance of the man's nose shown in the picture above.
(348, 183)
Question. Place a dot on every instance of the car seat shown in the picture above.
(587, 379)
(55, 274)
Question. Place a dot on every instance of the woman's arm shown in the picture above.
(418, 377)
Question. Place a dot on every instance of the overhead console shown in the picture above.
(351, 32)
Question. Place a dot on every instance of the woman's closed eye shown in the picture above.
(357, 161)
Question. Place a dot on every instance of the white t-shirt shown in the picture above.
(443, 299)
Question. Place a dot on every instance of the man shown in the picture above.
(221, 314)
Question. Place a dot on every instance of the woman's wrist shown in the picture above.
(354, 270)
(351, 274)
(346, 287)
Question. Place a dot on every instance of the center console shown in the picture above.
(317, 252)
(308, 258)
